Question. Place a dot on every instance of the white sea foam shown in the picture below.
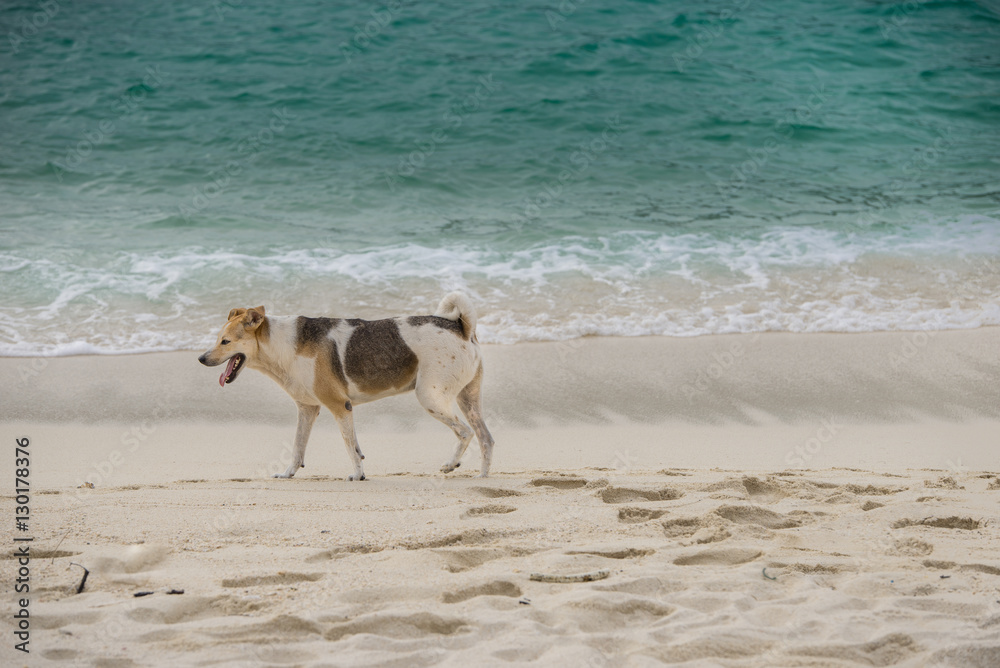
(928, 276)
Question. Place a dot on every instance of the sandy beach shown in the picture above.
(756, 500)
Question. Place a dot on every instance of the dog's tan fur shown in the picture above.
(339, 363)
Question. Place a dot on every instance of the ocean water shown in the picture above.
(580, 168)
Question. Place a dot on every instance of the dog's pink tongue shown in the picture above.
(229, 370)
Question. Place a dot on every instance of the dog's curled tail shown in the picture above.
(458, 306)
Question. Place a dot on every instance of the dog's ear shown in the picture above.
(236, 312)
(253, 318)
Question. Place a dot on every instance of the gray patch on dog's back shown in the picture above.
(313, 332)
(377, 358)
(453, 326)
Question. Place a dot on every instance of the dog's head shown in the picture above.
(237, 341)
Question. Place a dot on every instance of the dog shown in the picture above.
(340, 362)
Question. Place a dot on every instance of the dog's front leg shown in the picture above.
(345, 418)
(307, 417)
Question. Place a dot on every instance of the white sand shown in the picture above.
(858, 470)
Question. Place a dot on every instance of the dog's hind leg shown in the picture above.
(469, 400)
(345, 419)
(439, 404)
(307, 417)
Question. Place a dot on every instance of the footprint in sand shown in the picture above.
(953, 522)
(617, 553)
(681, 527)
(344, 551)
(469, 537)
(282, 628)
(42, 621)
(809, 569)
(699, 530)
(495, 588)
(60, 654)
(764, 491)
(749, 487)
(653, 587)
(944, 482)
(910, 547)
(636, 515)
(629, 495)
(131, 559)
(466, 558)
(719, 556)
(495, 492)
(598, 614)
(559, 483)
(416, 625)
(720, 645)
(177, 609)
(872, 490)
(492, 509)
(845, 493)
(266, 580)
(886, 651)
(756, 515)
(975, 568)
(980, 568)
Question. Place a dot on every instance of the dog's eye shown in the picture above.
(225, 342)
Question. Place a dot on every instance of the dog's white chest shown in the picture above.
(301, 380)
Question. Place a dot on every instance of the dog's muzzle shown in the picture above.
(236, 363)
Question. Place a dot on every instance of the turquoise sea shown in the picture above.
(580, 168)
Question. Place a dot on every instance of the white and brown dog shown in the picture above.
(337, 363)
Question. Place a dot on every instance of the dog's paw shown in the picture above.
(352, 478)
(286, 474)
(449, 467)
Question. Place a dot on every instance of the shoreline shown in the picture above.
(879, 377)
(742, 402)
